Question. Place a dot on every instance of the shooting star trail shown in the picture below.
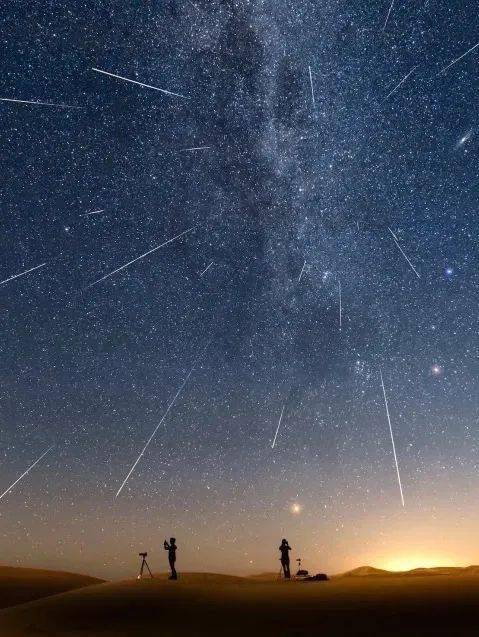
(93, 212)
(206, 269)
(184, 150)
(392, 438)
(312, 88)
(8, 99)
(25, 473)
(340, 308)
(163, 418)
(403, 253)
(277, 428)
(301, 273)
(155, 88)
(15, 276)
(465, 138)
(389, 13)
(401, 82)
(457, 59)
(142, 256)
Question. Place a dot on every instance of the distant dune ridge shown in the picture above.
(20, 585)
(364, 601)
(371, 571)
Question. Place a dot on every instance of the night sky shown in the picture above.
(334, 157)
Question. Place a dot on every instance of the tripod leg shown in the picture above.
(151, 574)
(142, 566)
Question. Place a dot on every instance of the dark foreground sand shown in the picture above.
(19, 585)
(203, 604)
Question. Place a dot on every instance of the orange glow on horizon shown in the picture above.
(409, 562)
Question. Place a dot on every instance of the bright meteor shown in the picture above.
(277, 428)
(459, 58)
(93, 212)
(389, 13)
(401, 82)
(392, 437)
(312, 87)
(340, 307)
(8, 99)
(155, 88)
(206, 269)
(301, 273)
(25, 473)
(15, 276)
(142, 256)
(162, 419)
(404, 254)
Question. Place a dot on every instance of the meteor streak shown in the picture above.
(184, 150)
(93, 212)
(25, 473)
(312, 88)
(403, 253)
(8, 99)
(277, 428)
(465, 138)
(401, 82)
(389, 13)
(206, 269)
(15, 276)
(457, 59)
(301, 273)
(392, 437)
(138, 258)
(155, 88)
(340, 308)
(162, 418)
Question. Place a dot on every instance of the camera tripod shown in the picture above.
(143, 564)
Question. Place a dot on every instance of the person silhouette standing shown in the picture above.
(171, 548)
(285, 549)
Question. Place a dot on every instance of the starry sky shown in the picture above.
(330, 220)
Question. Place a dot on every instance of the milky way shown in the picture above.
(297, 173)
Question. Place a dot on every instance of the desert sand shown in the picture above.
(363, 602)
(19, 585)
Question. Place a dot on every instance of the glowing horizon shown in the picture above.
(410, 562)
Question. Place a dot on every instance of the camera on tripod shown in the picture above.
(143, 564)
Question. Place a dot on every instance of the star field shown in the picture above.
(310, 149)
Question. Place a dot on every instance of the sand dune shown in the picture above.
(264, 577)
(20, 585)
(366, 571)
(371, 571)
(201, 604)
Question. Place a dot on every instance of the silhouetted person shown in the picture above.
(171, 548)
(285, 549)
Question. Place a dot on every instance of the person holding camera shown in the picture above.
(284, 559)
(171, 548)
